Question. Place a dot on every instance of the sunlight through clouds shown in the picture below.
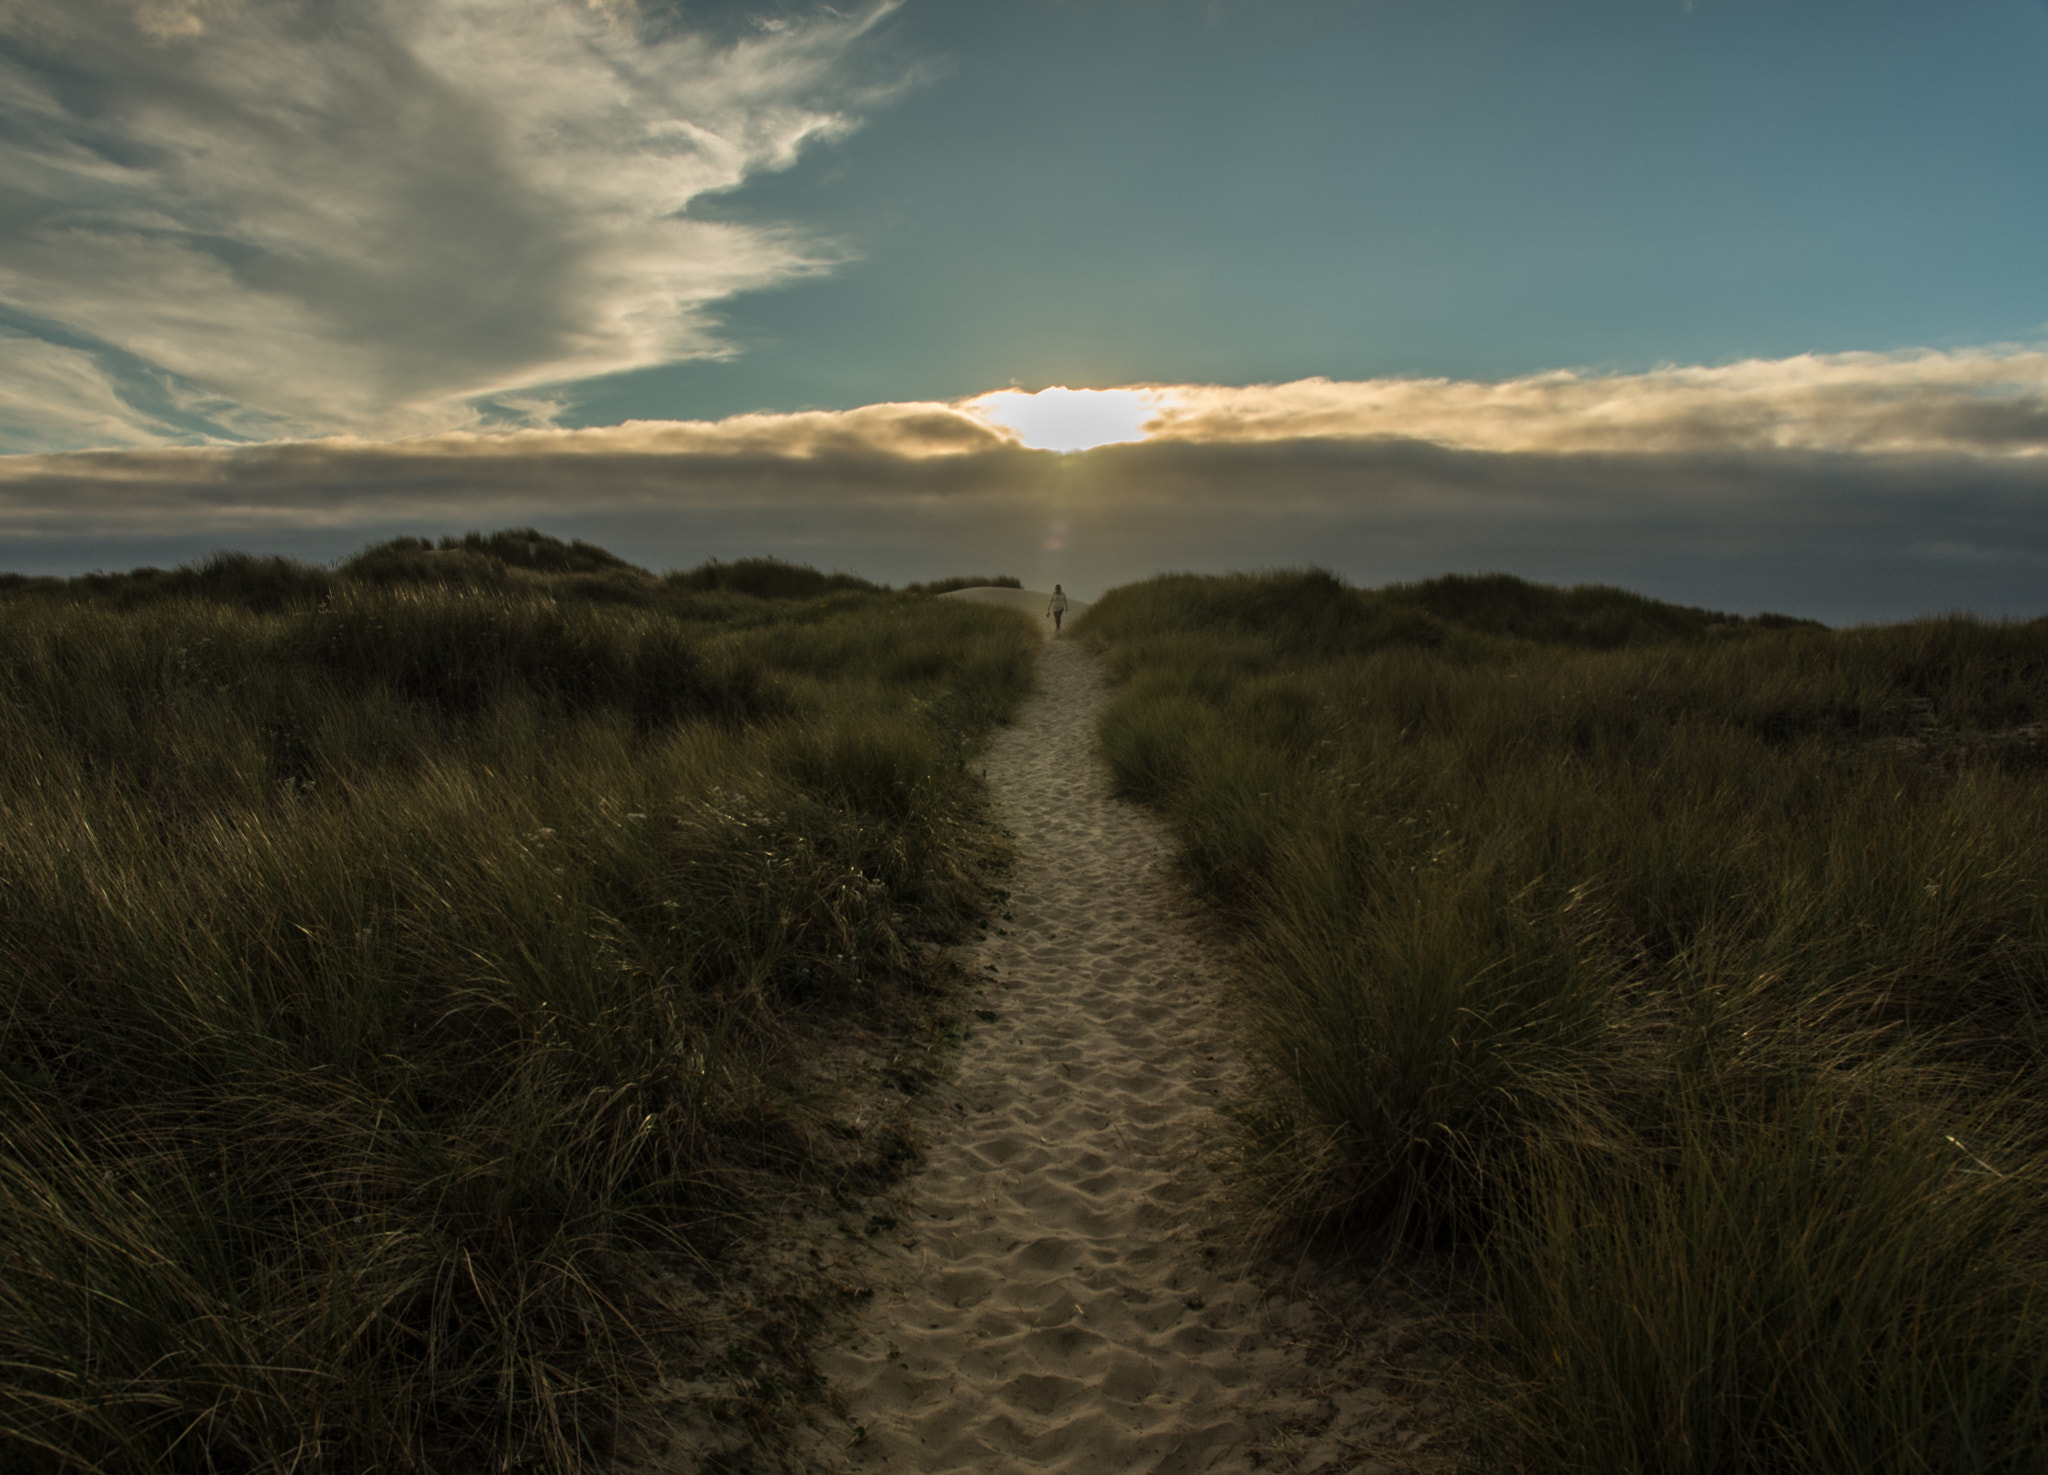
(1062, 419)
(1846, 486)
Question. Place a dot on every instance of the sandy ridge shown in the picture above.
(1046, 1300)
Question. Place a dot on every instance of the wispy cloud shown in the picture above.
(55, 393)
(269, 218)
(1979, 402)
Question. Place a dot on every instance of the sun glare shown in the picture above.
(1062, 419)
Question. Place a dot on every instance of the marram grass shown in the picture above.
(1689, 973)
(401, 975)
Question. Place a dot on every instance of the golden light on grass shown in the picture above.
(608, 809)
(1062, 419)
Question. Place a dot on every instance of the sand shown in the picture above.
(1053, 1293)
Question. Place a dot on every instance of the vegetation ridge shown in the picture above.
(1685, 975)
(408, 973)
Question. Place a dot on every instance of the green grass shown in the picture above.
(406, 968)
(1688, 974)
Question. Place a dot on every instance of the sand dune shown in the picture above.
(1046, 1299)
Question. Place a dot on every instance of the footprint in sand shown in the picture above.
(1047, 1304)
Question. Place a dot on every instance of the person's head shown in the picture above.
(1055, 588)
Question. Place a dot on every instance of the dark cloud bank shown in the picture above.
(1840, 537)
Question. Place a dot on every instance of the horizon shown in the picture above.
(957, 580)
(1731, 307)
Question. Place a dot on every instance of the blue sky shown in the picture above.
(1739, 303)
(1169, 190)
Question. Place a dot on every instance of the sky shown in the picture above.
(1735, 302)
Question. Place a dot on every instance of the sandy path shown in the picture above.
(1047, 1303)
(1031, 603)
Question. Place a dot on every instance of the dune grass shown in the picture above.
(1688, 974)
(406, 973)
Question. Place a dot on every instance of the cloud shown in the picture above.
(272, 218)
(900, 454)
(1845, 487)
(1517, 446)
(56, 392)
(1977, 402)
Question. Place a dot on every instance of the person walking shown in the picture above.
(1058, 608)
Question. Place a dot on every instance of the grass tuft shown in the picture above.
(405, 972)
(1686, 973)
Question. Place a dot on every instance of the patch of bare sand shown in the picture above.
(1052, 1294)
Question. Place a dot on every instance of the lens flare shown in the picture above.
(1062, 419)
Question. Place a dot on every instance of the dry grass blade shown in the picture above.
(1661, 960)
(403, 964)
